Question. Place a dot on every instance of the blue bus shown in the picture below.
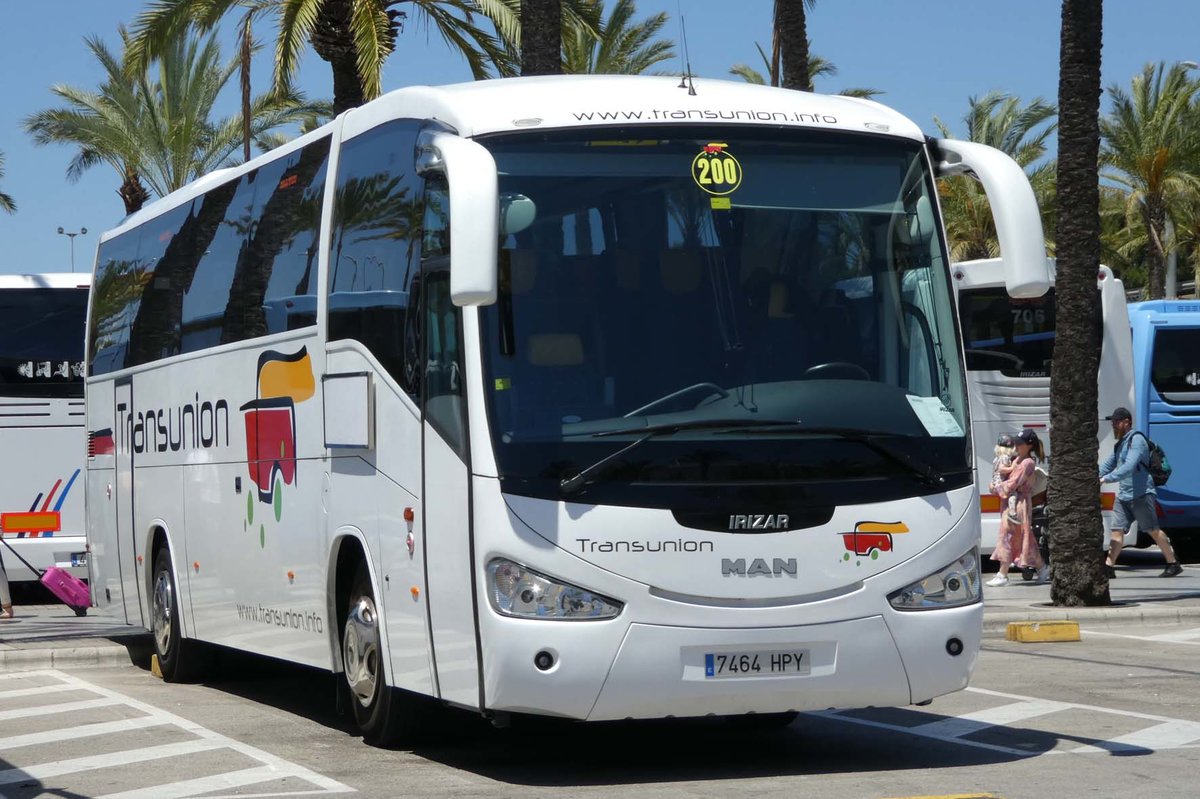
(1166, 354)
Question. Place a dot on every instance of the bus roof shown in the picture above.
(48, 280)
(1168, 308)
(567, 101)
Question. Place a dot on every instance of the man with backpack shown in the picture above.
(1130, 467)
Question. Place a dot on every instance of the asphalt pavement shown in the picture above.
(51, 635)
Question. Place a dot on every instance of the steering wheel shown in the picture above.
(837, 370)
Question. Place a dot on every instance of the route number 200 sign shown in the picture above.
(715, 170)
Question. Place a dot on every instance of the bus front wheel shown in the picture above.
(386, 716)
(179, 659)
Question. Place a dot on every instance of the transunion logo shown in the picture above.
(869, 539)
(283, 380)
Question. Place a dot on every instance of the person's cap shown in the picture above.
(1006, 440)
(1119, 414)
(1027, 436)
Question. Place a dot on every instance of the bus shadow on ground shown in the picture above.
(549, 752)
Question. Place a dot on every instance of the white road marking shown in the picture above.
(71, 733)
(270, 767)
(35, 691)
(968, 723)
(61, 707)
(1190, 637)
(1164, 733)
(231, 779)
(92, 762)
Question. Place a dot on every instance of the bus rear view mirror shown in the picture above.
(517, 212)
(471, 177)
(1015, 209)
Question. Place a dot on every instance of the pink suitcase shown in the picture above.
(64, 585)
(69, 588)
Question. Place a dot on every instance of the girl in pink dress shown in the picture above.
(1016, 542)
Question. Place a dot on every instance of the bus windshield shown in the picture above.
(678, 276)
(41, 349)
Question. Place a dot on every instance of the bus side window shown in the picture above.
(442, 374)
(375, 250)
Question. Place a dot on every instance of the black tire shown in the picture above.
(384, 715)
(180, 659)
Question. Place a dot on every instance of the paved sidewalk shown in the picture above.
(43, 636)
(1139, 596)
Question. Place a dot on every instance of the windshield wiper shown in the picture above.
(869, 438)
(569, 485)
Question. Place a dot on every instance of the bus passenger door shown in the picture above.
(123, 503)
(448, 551)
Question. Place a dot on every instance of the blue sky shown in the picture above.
(928, 57)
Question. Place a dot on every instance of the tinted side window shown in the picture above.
(375, 251)
(166, 250)
(274, 285)
(1175, 368)
(207, 293)
(117, 292)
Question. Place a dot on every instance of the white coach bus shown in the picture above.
(1009, 344)
(42, 318)
(539, 396)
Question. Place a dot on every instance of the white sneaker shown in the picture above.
(1044, 574)
(998, 580)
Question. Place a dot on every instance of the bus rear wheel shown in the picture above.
(179, 659)
(386, 716)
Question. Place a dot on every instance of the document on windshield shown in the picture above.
(935, 416)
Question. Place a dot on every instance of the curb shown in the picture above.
(31, 656)
(1118, 616)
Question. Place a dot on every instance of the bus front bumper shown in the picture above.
(657, 671)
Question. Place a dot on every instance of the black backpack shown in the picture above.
(1159, 467)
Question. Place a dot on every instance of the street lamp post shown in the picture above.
(72, 235)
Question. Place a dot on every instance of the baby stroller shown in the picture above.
(1039, 519)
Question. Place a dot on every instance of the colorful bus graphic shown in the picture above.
(283, 380)
(871, 538)
(35, 523)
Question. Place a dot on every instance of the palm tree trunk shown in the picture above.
(247, 52)
(333, 42)
(791, 28)
(1155, 216)
(541, 37)
(132, 192)
(1074, 491)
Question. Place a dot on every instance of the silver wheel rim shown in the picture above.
(164, 602)
(360, 650)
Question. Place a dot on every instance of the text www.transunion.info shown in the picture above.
(291, 619)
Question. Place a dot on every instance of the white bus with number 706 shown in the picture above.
(544, 396)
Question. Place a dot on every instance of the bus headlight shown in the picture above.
(515, 590)
(949, 587)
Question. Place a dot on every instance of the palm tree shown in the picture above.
(791, 44)
(6, 202)
(156, 130)
(818, 67)
(1151, 143)
(541, 37)
(998, 120)
(621, 48)
(354, 36)
(1078, 574)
